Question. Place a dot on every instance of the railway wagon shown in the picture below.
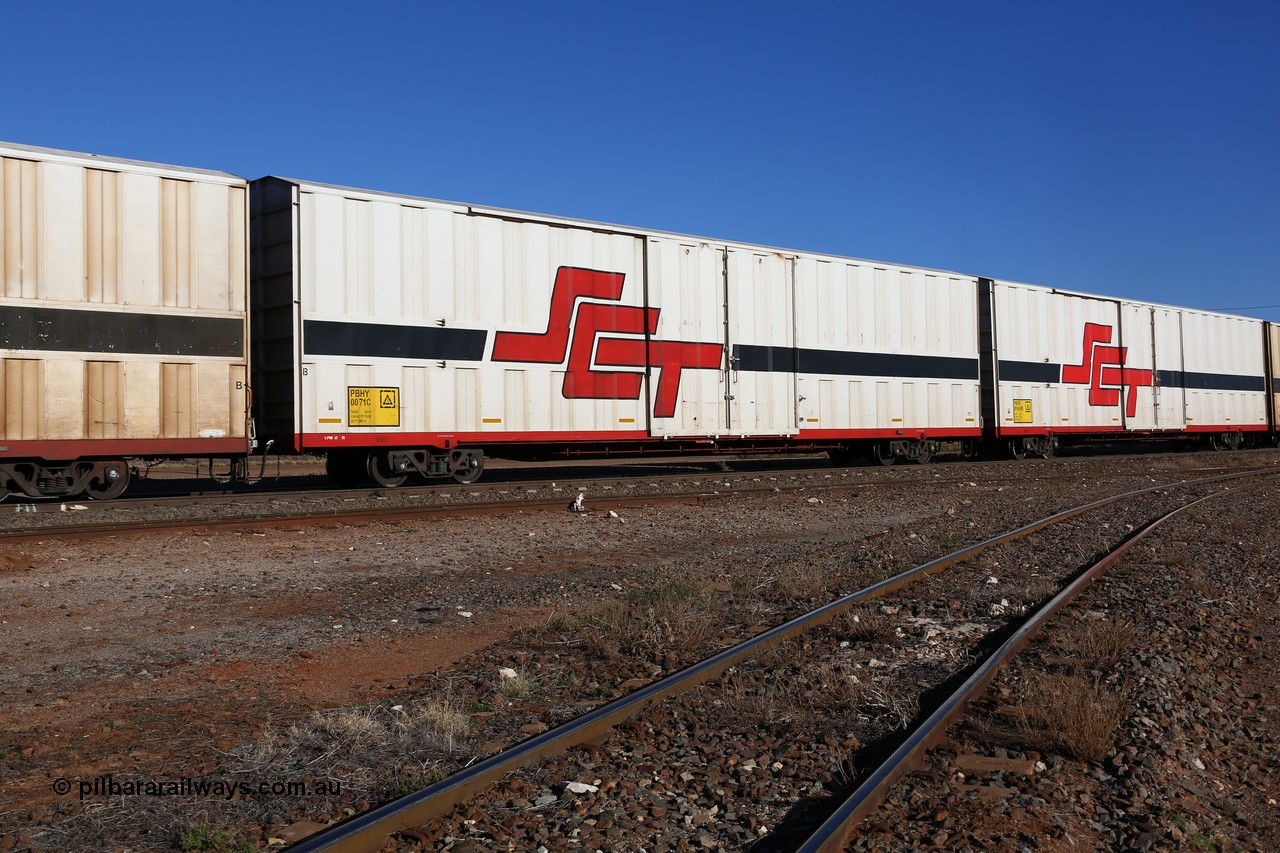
(1273, 379)
(1061, 366)
(399, 335)
(123, 328)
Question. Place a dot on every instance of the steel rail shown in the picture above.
(833, 834)
(368, 831)
(600, 503)
(251, 520)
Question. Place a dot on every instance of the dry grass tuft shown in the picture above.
(1070, 714)
(865, 625)
(1105, 645)
(675, 618)
(372, 749)
(520, 686)
(1031, 590)
(801, 582)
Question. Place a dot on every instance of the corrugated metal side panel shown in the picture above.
(177, 400)
(104, 399)
(870, 314)
(446, 283)
(1226, 351)
(1038, 333)
(21, 398)
(77, 234)
(1273, 331)
(18, 222)
(98, 256)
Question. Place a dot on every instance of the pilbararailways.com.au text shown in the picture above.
(194, 786)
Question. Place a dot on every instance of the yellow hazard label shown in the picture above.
(1022, 412)
(373, 407)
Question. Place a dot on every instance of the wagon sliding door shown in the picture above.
(685, 284)
(760, 304)
(1167, 391)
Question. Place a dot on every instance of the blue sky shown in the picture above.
(1127, 148)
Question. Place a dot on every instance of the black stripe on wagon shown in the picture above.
(376, 340)
(786, 359)
(25, 327)
(1210, 381)
(1035, 372)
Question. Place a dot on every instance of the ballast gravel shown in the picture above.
(201, 655)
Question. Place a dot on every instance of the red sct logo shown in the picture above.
(586, 318)
(1102, 369)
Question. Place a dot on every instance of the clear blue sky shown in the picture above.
(1127, 148)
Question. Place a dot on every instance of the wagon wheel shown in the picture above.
(346, 469)
(106, 489)
(381, 472)
(882, 452)
(1048, 451)
(4, 490)
(1220, 441)
(925, 454)
(1017, 450)
(840, 456)
(469, 469)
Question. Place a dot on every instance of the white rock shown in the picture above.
(992, 580)
(612, 514)
(465, 614)
(507, 672)
(580, 788)
(875, 663)
(616, 586)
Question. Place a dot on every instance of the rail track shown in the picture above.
(369, 831)
(292, 506)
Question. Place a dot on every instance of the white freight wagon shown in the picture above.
(123, 328)
(400, 334)
(1072, 365)
(1273, 379)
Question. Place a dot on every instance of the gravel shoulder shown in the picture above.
(163, 656)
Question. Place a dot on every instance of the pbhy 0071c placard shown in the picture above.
(373, 407)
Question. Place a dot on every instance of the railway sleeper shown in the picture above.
(100, 479)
